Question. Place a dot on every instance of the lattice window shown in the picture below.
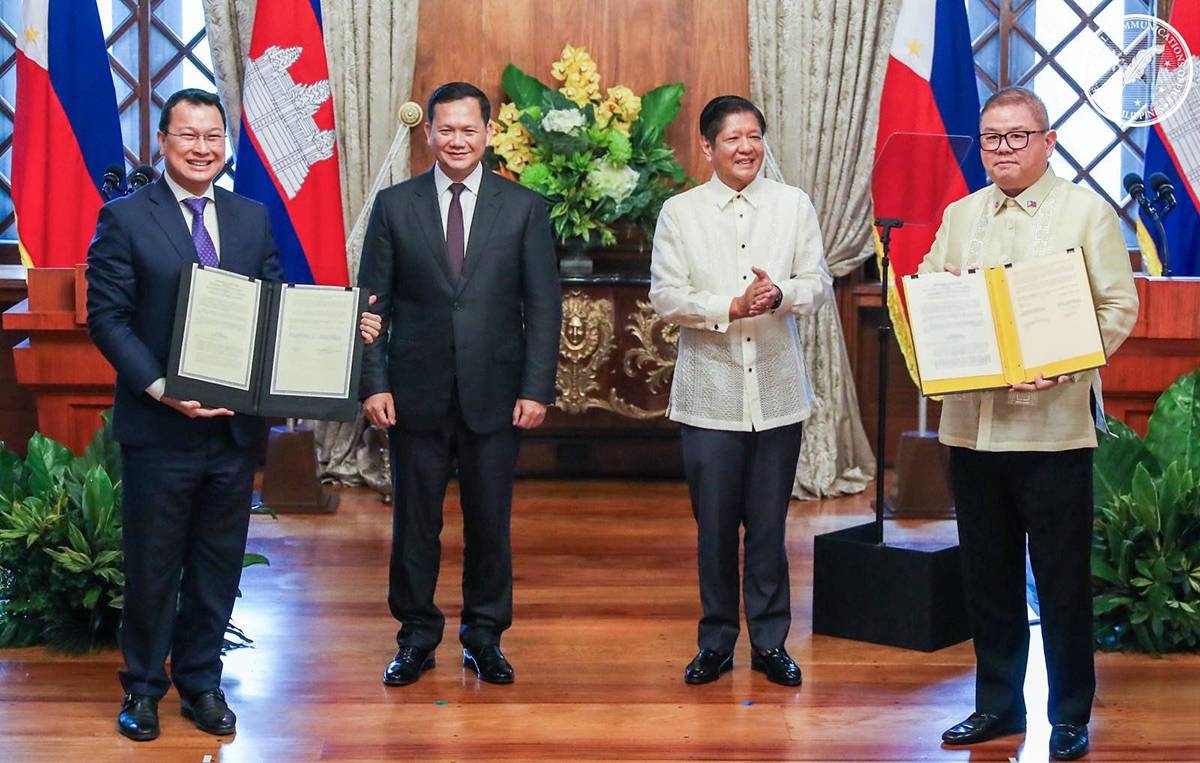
(1047, 45)
(155, 47)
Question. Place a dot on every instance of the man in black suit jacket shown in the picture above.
(188, 468)
(463, 264)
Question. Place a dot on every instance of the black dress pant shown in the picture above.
(1002, 498)
(736, 480)
(185, 516)
(421, 468)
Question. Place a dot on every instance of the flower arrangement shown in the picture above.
(596, 158)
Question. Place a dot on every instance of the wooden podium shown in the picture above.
(71, 381)
(1165, 344)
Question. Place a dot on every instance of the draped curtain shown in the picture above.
(371, 47)
(816, 70)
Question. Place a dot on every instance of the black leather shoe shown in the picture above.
(408, 665)
(707, 666)
(489, 664)
(1068, 741)
(139, 717)
(980, 727)
(777, 664)
(209, 712)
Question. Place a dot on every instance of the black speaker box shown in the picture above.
(906, 595)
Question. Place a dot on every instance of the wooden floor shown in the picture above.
(606, 606)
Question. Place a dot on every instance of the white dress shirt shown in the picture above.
(748, 374)
(159, 386)
(466, 198)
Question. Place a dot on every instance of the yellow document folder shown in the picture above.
(999, 326)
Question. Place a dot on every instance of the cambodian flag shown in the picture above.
(287, 154)
(1173, 148)
(66, 131)
(929, 89)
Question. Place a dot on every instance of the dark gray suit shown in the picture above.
(458, 356)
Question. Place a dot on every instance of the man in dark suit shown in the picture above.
(188, 468)
(463, 264)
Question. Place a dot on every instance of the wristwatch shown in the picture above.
(778, 298)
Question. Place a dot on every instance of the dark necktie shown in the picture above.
(455, 236)
(206, 250)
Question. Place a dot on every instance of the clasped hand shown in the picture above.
(758, 298)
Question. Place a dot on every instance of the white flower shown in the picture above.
(563, 120)
(616, 181)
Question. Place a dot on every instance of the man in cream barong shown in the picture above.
(1021, 458)
(734, 261)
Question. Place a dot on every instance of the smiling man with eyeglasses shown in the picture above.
(1021, 458)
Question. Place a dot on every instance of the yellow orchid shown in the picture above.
(578, 73)
(574, 147)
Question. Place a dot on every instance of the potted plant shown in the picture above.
(597, 158)
(1146, 538)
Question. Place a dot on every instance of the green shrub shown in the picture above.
(61, 575)
(1146, 536)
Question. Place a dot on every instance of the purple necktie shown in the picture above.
(206, 250)
(455, 237)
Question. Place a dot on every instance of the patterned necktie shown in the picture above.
(455, 235)
(206, 250)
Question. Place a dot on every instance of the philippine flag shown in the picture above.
(65, 133)
(287, 154)
(1173, 148)
(929, 89)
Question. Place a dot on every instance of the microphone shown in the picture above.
(114, 178)
(1164, 191)
(1137, 190)
(140, 176)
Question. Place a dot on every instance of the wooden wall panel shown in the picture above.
(638, 43)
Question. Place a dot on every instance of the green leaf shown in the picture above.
(1145, 499)
(1115, 458)
(46, 461)
(522, 89)
(1173, 433)
(660, 106)
(249, 560)
(1104, 571)
(99, 509)
(1107, 603)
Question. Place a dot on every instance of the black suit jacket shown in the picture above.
(141, 248)
(493, 334)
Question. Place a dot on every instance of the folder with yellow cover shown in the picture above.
(999, 326)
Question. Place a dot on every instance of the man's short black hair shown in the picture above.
(194, 96)
(456, 91)
(712, 118)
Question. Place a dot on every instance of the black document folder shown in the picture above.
(266, 348)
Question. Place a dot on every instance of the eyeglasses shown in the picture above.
(188, 139)
(1016, 139)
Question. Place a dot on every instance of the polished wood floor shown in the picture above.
(606, 606)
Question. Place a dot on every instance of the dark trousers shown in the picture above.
(742, 479)
(421, 467)
(1001, 499)
(185, 515)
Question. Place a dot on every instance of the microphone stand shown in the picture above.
(1156, 218)
(886, 225)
